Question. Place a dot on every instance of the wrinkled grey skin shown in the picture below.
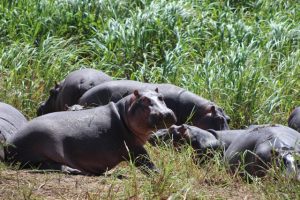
(186, 105)
(294, 119)
(11, 120)
(68, 91)
(255, 147)
(92, 141)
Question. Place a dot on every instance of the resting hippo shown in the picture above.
(294, 119)
(259, 144)
(68, 91)
(92, 141)
(11, 120)
(186, 105)
(200, 140)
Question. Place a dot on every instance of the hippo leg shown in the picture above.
(243, 160)
(260, 160)
(50, 166)
(142, 160)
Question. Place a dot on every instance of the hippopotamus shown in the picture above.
(294, 119)
(186, 105)
(253, 149)
(11, 120)
(67, 92)
(202, 141)
(255, 152)
(92, 141)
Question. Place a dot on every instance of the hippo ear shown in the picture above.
(213, 110)
(183, 131)
(156, 90)
(135, 96)
(136, 93)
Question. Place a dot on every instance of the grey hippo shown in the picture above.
(67, 92)
(185, 104)
(261, 146)
(248, 151)
(92, 141)
(11, 120)
(294, 119)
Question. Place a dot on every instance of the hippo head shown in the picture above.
(201, 140)
(146, 112)
(215, 118)
(49, 105)
(291, 162)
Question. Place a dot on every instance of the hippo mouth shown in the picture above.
(160, 122)
(291, 161)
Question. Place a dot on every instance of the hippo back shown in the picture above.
(68, 91)
(294, 119)
(77, 83)
(11, 120)
(186, 105)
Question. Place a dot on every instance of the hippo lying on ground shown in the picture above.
(68, 91)
(253, 149)
(92, 141)
(186, 105)
(11, 120)
(294, 119)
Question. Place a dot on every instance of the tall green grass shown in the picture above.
(243, 55)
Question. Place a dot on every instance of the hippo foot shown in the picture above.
(69, 170)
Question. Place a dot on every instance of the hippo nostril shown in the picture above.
(169, 119)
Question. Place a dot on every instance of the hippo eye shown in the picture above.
(161, 98)
(220, 119)
(146, 101)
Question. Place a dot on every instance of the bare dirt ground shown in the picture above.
(21, 184)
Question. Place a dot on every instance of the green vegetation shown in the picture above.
(243, 55)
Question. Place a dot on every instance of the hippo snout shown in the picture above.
(208, 150)
(163, 119)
